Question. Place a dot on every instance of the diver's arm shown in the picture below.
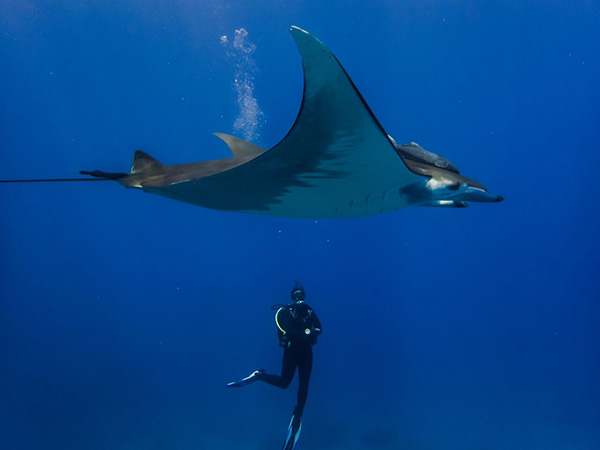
(316, 323)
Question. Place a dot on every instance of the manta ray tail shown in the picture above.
(98, 175)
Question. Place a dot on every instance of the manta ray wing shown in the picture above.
(336, 161)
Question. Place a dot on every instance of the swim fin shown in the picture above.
(249, 379)
(293, 432)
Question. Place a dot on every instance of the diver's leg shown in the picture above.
(288, 367)
(254, 376)
(304, 370)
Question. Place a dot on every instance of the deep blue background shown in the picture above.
(123, 315)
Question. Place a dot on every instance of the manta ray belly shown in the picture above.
(439, 183)
(373, 204)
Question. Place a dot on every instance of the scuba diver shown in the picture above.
(297, 328)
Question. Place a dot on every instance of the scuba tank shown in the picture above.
(294, 324)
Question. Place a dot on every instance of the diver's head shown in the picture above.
(298, 294)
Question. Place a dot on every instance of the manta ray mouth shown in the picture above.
(473, 194)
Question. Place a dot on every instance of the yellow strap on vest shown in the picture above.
(277, 320)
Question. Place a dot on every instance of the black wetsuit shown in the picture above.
(297, 353)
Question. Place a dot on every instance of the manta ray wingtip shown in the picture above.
(295, 29)
(300, 35)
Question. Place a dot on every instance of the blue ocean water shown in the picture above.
(123, 315)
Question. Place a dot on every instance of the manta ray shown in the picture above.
(336, 161)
